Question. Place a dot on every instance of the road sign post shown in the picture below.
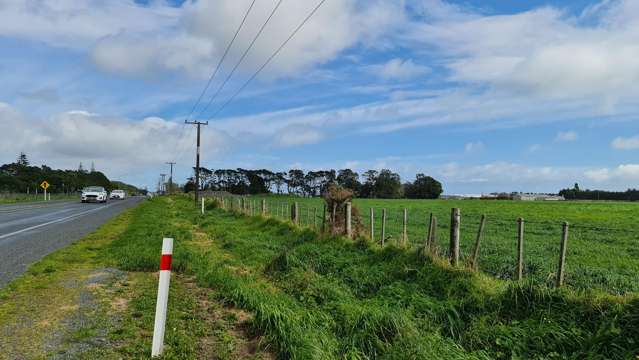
(45, 186)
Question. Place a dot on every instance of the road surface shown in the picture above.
(30, 231)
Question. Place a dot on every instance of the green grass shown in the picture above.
(327, 298)
(67, 306)
(22, 198)
(602, 249)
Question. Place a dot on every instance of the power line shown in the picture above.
(219, 64)
(269, 59)
(219, 89)
(180, 137)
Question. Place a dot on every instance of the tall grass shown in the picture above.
(327, 298)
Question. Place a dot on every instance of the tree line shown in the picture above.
(21, 177)
(578, 194)
(371, 184)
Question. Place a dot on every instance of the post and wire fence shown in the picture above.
(514, 248)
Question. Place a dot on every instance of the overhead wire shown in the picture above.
(241, 59)
(219, 64)
(180, 138)
(273, 55)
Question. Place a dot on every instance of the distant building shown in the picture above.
(538, 197)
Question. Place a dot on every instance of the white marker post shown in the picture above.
(45, 194)
(202, 205)
(163, 298)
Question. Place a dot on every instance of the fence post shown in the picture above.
(428, 235)
(202, 205)
(349, 228)
(263, 207)
(333, 218)
(433, 238)
(383, 227)
(372, 211)
(520, 249)
(455, 218)
(562, 255)
(159, 326)
(405, 227)
(480, 232)
(314, 218)
(295, 213)
(324, 219)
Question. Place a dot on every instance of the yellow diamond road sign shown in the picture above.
(44, 185)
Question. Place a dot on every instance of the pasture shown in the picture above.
(602, 251)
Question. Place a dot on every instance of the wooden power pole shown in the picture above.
(171, 177)
(197, 158)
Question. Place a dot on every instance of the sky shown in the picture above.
(483, 95)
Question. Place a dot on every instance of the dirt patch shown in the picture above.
(229, 334)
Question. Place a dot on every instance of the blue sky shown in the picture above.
(483, 95)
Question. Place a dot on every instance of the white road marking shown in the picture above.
(70, 217)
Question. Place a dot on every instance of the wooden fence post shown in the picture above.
(334, 213)
(372, 230)
(455, 218)
(405, 228)
(520, 249)
(433, 235)
(348, 225)
(295, 213)
(263, 207)
(314, 218)
(562, 256)
(429, 233)
(324, 218)
(383, 227)
(475, 258)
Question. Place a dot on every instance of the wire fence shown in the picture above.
(597, 257)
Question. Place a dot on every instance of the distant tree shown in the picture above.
(92, 167)
(576, 188)
(350, 180)
(280, 180)
(368, 188)
(424, 187)
(295, 181)
(22, 160)
(388, 185)
(81, 168)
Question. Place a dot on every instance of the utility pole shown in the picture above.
(171, 177)
(197, 158)
(162, 183)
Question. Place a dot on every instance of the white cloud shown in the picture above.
(398, 69)
(296, 135)
(629, 143)
(473, 147)
(566, 136)
(118, 146)
(623, 173)
(542, 52)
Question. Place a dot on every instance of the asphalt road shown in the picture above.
(30, 231)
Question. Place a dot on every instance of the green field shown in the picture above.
(315, 297)
(602, 250)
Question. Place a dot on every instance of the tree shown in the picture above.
(295, 180)
(92, 167)
(22, 160)
(368, 188)
(424, 187)
(388, 185)
(350, 180)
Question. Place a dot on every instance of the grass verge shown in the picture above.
(318, 298)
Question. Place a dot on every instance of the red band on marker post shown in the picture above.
(165, 262)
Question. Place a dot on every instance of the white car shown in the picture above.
(118, 194)
(94, 194)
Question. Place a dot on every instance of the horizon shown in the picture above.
(481, 95)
